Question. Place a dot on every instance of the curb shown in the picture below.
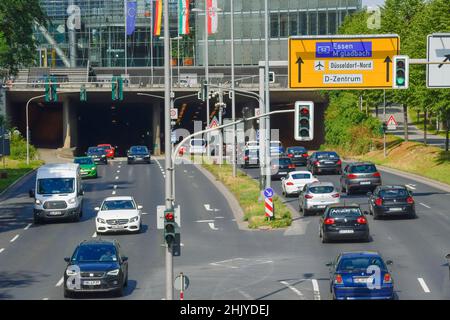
(16, 182)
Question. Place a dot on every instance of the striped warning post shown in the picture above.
(269, 207)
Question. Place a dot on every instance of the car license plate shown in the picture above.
(321, 206)
(297, 156)
(395, 209)
(329, 162)
(346, 231)
(55, 213)
(364, 182)
(282, 172)
(360, 280)
(117, 227)
(92, 283)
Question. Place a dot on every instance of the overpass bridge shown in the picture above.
(73, 124)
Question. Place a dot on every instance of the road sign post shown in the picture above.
(181, 284)
(342, 62)
(268, 203)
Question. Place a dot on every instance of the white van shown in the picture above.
(58, 192)
(197, 146)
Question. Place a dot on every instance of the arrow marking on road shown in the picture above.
(387, 61)
(411, 186)
(211, 225)
(94, 235)
(423, 285)
(208, 208)
(15, 238)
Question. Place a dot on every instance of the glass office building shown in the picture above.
(100, 40)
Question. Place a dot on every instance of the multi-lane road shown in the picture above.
(221, 260)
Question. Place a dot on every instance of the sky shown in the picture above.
(372, 2)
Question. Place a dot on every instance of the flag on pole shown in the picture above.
(183, 16)
(131, 17)
(157, 17)
(212, 16)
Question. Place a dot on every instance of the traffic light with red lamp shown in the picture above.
(171, 232)
(304, 121)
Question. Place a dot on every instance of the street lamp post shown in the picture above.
(267, 96)
(233, 101)
(27, 125)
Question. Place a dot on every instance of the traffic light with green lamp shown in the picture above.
(401, 72)
(304, 121)
(51, 94)
(83, 93)
(117, 88)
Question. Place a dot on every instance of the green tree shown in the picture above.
(17, 45)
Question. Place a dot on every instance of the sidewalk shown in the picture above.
(414, 133)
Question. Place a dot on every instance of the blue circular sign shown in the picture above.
(268, 193)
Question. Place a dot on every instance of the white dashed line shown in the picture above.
(144, 213)
(220, 217)
(60, 282)
(423, 204)
(15, 238)
(119, 167)
(28, 226)
(117, 178)
(211, 225)
(113, 192)
(316, 289)
(2, 249)
(115, 187)
(297, 292)
(423, 285)
(94, 235)
(204, 221)
(208, 208)
(411, 186)
(118, 171)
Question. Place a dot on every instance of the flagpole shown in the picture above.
(151, 40)
(125, 34)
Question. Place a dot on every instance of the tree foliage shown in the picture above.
(17, 45)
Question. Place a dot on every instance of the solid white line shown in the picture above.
(94, 235)
(424, 285)
(15, 238)
(204, 221)
(2, 249)
(45, 299)
(60, 282)
(292, 288)
(316, 289)
(211, 225)
(28, 226)
(423, 204)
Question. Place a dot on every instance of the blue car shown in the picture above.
(360, 275)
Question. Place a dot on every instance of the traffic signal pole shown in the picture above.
(168, 146)
(28, 128)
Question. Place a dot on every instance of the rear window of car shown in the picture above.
(296, 150)
(301, 176)
(139, 149)
(350, 264)
(327, 155)
(363, 168)
(198, 142)
(284, 161)
(394, 193)
(322, 189)
(344, 212)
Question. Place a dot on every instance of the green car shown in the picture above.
(88, 167)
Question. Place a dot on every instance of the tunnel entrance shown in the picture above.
(121, 125)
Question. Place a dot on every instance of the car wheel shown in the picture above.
(366, 238)
(76, 218)
(68, 294)
(125, 284)
(324, 238)
(119, 292)
(305, 212)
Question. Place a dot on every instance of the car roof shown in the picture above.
(300, 172)
(321, 184)
(119, 198)
(98, 242)
(362, 163)
(139, 146)
(356, 254)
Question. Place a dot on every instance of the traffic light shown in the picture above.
(117, 88)
(304, 121)
(401, 72)
(169, 226)
(271, 77)
(83, 93)
(204, 94)
(51, 94)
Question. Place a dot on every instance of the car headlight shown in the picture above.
(70, 272)
(103, 156)
(100, 220)
(38, 201)
(73, 200)
(134, 219)
(114, 272)
(93, 168)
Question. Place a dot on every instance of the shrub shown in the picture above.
(19, 147)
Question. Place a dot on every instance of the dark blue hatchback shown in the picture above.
(360, 275)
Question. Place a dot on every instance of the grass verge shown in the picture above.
(246, 191)
(15, 169)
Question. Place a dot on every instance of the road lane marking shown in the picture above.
(119, 167)
(15, 238)
(208, 208)
(113, 192)
(144, 213)
(423, 204)
(411, 186)
(28, 226)
(2, 249)
(117, 178)
(204, 221)
(60, 282)
(115, 187)
(45, 299)
(297, 292)
(118, 171)
(220, 217)
(316, 289)
(94, 235)
(245, 294)
(424, 285)
(211, 225)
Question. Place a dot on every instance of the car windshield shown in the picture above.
(363, 168)
(198, 142)
(360, 263)
(327, 155)
(95, 150)
(344, 212)
(283, 161)
(55, 185)
(301, 176)
(139, 149)
(321, 189)
(296, 150)
(118, 205)
(104, 147)
(95, 253)
(84, 161)
(393, 193)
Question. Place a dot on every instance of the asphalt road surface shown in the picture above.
(221, 261)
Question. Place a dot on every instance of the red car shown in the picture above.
(110, 150)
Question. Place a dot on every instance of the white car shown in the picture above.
(317, 196)
(118, 214)
(294, 182)
(197, 146)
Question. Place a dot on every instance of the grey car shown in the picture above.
(315, 197)
(360, 176)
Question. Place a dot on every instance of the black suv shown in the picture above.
(138, 153)
(96, 266)
(324, 161)
(387, 201)
(97, 154)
